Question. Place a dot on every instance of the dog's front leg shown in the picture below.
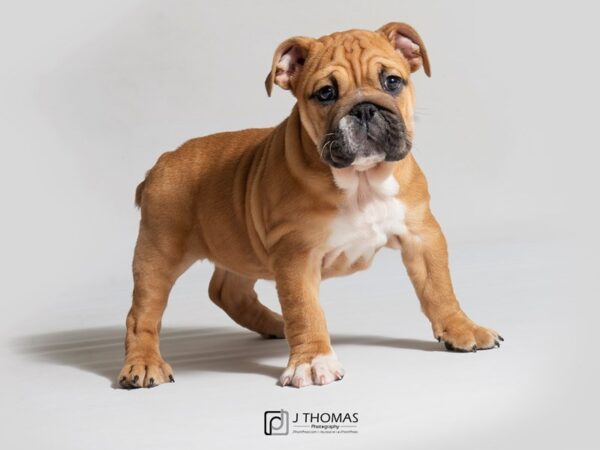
(312, 360)
(425, 256)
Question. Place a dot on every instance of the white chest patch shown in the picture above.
(370, 215)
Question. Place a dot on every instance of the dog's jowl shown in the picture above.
(315, 197)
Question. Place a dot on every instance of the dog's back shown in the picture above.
(174, 169)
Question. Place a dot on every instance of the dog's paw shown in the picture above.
(145, 373)
(275, 330)
(460, 334)
(322, 369)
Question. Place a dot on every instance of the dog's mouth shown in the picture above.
(365, 137)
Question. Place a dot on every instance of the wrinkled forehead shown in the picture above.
(353, 58)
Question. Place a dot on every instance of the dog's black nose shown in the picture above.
(363, 111)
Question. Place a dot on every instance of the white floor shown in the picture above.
(507, 134)
(535, 391)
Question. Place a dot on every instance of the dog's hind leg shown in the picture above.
(236, 296)
(158, 262)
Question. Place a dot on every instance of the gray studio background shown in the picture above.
(91, 93)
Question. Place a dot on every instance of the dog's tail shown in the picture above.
(139, 191)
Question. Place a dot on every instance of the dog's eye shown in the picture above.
(327, 94)
(392, 83)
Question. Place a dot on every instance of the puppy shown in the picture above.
(315, 197)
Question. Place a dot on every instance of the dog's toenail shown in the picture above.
(474, 348)
(135, 379)
(501, 338)
(171, 379)
(151, 382)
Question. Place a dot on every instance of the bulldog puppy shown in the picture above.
(315, 197)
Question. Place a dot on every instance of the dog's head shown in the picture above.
(354, 92)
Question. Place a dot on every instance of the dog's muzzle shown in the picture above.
(365, 136)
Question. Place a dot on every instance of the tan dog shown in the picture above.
(315, 197)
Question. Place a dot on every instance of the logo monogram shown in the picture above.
(277, 423)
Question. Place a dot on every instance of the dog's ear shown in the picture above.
(288, 61)
(408, 43)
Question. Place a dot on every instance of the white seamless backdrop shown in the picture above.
(91, 93)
